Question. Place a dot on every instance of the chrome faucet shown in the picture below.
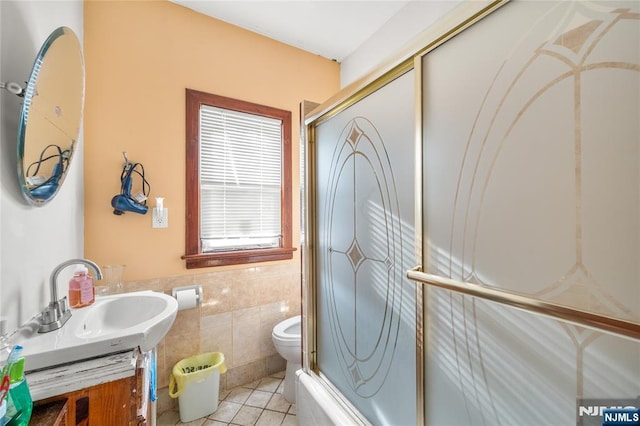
(57, 312)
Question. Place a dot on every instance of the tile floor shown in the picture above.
(259, 403)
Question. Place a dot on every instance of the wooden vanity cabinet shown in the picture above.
(108, 404)
(111, 403)
(52, 413)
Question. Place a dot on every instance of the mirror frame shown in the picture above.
(29, 93)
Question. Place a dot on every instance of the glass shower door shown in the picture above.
(533, 191)
(365, 234)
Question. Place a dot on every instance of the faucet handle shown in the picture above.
(49, 315)
(55, 310)
(64, 306)
(54, 316)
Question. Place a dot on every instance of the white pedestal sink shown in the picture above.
(111, 324)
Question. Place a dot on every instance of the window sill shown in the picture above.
(207, 260)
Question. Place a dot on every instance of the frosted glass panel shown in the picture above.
(531, 177)
(532, 154)
(494, 365)
(366, 317)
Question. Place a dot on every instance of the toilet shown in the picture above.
(287, 339)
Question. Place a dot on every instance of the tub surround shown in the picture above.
(316, 404)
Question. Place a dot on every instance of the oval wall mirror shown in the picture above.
(51, 116)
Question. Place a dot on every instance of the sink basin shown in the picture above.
(122, 313)
(111, 324)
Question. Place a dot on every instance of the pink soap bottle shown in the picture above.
(81, 291)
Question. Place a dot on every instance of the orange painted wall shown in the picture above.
(140, 56)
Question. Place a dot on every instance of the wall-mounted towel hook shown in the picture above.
(126, 160)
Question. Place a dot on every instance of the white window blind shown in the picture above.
(240, 180)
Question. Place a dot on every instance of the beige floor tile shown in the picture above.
(257, 403)
(168, 418)
(247, 416)
(269, 384)
(214, 423)
(226, 411)
(279, 374)
(278, 403)
(196, 422)
(290, 420)
(259, 399)
(239, 395)
(251, 385)
(270, 418)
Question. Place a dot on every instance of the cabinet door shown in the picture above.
(107, 404)
(113, 403)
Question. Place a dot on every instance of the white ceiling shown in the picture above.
(332, 29)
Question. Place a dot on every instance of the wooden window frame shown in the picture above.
(194, 256)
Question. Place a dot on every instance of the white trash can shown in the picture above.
(195, 381)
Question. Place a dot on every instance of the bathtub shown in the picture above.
(317, 405)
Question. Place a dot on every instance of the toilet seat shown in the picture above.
(288, 332)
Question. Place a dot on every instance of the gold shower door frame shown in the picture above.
(310, 363)
(410, 59)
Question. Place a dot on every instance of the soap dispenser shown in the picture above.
(81, 290)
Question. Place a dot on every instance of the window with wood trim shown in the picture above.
(238, 182)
